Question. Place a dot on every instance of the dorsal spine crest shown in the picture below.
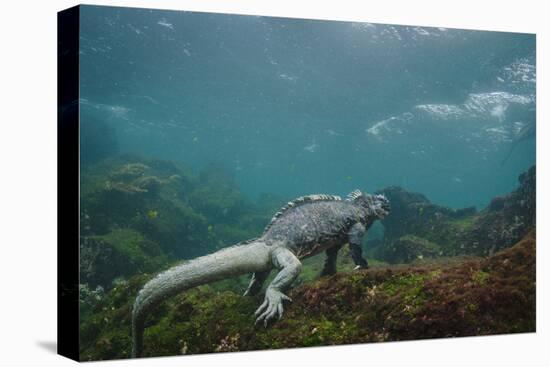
(354, 195)
(301, 201)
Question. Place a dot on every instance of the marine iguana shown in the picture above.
(304, 227)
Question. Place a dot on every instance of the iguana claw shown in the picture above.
(272, 306)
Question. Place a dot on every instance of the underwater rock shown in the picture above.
(114, 193)
(130, 179)
(121, 253)
(463, 212)
(476, 296)
(186, 215)
(218, 197)
(505, 220)
(434, 228)
(122, 188)
(409, 248)
(159, 214)
(413, 213)
(100, 263)
(457, 231)
(150, 184)
(129, 171)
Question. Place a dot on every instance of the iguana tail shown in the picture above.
(252, 256)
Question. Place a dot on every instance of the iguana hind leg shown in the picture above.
(330, 261)
(290, 268)
(256, 283)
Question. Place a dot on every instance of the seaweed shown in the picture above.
(417, 227)
(140, 216)
(477, 296)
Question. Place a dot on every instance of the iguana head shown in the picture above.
(378, 205)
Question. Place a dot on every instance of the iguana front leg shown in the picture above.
(355, 237)
(290, 268)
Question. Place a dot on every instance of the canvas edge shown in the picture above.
(68, 164)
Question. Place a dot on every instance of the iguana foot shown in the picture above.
(272, 306)
(327, 273)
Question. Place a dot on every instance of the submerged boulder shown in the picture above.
(413, 213)
(476, 296)
(409, 248)
(121, 253)
(456, 231)
(130, 202)
(506, 219)
(417, 228)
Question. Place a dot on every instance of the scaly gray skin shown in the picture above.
(305, 227)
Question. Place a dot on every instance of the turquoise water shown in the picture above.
(294, 107)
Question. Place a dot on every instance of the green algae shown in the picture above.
(480, 277)
(376, 305)
(135, 247)
(384, 303)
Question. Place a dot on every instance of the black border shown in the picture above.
(68, 25)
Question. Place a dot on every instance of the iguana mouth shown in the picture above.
(381, 213)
